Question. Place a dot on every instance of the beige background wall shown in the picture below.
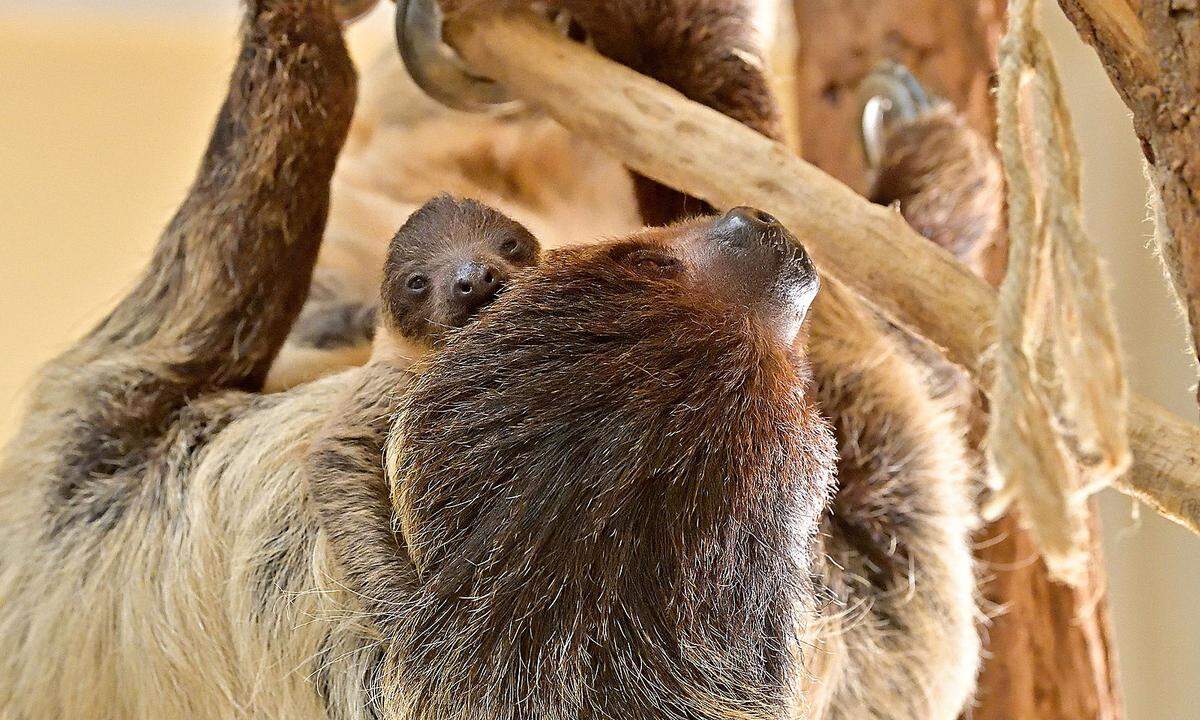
(104, 108)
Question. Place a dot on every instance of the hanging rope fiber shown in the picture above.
(1059, 400)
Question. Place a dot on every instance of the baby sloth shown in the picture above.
(449, 260)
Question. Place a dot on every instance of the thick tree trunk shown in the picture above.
(1050, 655)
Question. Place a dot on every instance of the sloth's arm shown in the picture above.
(232, 269)
(345, 472)
(899, 572)
(143, 391)
(945, 179)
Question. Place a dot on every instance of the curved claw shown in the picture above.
(890, 94)
(435, 67)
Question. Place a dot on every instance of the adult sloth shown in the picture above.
(164, 554)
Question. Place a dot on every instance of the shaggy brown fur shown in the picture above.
(162, 553)
(146, 553)
(212, 308)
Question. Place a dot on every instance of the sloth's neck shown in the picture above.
(394, 349)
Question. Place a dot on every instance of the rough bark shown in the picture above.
(1050, 653)
(1151, 51)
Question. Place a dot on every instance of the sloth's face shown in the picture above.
(449, 261)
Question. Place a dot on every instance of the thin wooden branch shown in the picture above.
(869, 248)
(1151, 51)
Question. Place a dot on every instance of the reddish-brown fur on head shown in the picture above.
(624, 526)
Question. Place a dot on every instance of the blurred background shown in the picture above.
(105, 107)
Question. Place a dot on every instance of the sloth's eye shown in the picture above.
(649, 261)
(510, 247)
(417, 283)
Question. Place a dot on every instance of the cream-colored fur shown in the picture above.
(213, 604)
(912, 650)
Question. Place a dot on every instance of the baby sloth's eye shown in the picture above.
(650, 261)
(510, 247)
(417, 283)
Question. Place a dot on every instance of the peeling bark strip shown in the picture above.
(1058, 429)
(1151, 51)
(868, 248)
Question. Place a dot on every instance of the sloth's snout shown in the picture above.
(767, 262)
(759, 241)
(476, 283)
(746, 224)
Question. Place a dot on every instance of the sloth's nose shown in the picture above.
(758, 239)
(477, 283)
(748, 222)
(762, 258)
(753, 234)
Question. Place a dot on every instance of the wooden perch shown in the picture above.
(1151, 51)
(868, 248)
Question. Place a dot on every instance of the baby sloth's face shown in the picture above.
(450, 260)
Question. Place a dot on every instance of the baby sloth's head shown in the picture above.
(447, 262)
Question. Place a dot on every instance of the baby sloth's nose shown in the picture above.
(476, 283)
